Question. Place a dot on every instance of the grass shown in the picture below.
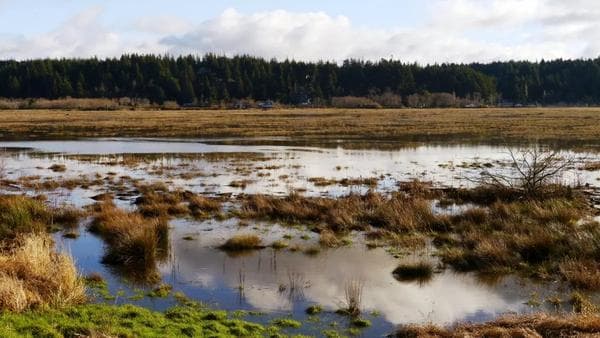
(505, 232)
(279, 244)
(361, 322)
(58, 168)
(99, 320)
(287, 322)
(67, 216)
(157, 201)
(537, 325)
(319, 125)
(34, 276)
(534, 237)
(242, 242)
(133, 240)
(398, 213)
(328, 239)
(201, 206)
(591, 166)
(21, 214)
(353, 293)
(582, 274)
(314, 310)
(416, 271)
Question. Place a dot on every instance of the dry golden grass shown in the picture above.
(201, 206)
(457, 125)
(33, 275)
(538, 325)
(133, 241)
(242, 242)
(397, 213)
(584, 274)
(327, 238)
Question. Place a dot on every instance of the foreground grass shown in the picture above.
(458, 125)
(539, 325)
(98, 320)
(33, 275)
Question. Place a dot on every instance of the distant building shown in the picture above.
(266, 105)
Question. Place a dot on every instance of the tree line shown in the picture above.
(210, 79)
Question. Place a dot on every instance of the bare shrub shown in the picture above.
(534, 170)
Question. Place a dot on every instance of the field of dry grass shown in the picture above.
(456, 125)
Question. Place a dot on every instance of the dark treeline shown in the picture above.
(212, 79)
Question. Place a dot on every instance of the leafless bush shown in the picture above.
(534, 170)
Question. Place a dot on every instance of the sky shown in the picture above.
(433, 31)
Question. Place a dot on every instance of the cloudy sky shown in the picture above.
(409, 30)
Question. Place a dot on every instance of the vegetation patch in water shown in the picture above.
(128, 321)
(417, 271)
(242, 242)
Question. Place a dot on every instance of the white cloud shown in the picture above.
(163, 25)
(454, 30)
(82, 35)
(315, 36)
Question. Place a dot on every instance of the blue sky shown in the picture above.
(421, 31)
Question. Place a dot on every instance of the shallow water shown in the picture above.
(283, 169)
(261, 280)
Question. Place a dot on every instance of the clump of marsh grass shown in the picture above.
(159, 203)
(279, 244)
(21, 214)
(328, 239)
(242, 242)
(33, 275)
(67, 216)
(583, 274)
(201, 206)
(58, 168)
(421, 271)
(133, 241)
(397, 212)
(353, 292)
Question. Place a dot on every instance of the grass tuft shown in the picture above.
(242, 242)
(34, 276)
(418, 271)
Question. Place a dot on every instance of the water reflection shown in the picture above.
(280, 280)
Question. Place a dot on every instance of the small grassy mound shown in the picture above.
(58, 168)
(418, 271)
(201, 206)
(242, 242)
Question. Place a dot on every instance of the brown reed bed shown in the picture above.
(33, 275)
